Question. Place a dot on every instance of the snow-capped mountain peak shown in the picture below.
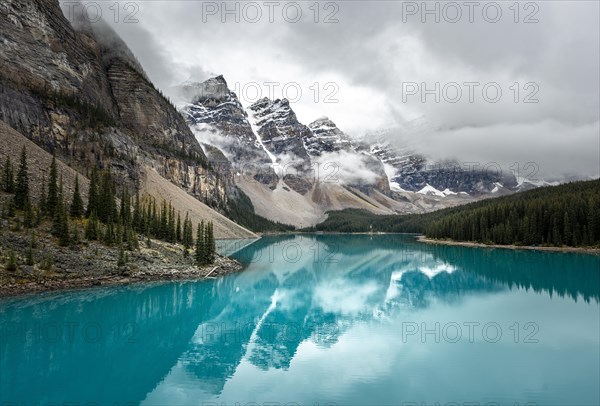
(327, 137)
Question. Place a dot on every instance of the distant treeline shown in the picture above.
(361, 221)
(567, 214)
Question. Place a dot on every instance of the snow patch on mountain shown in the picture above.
(391, 174)
(497, 187)
(255, 129)
(430, 190)
(521, 181)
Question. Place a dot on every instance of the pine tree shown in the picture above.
(60, 226)
(132, 240)
(121, 261)
(57, 212)
(29, 254)
(567, 232)
(137, 214)
(28, 217)
(37, 217)
(91, 228)
(106, 199)
(64, 237)
(200, 247)
(120, 231)
(211, 244)
(125, 211)
(155, 221)
(8, 180)
(22, 185)
(207, 253)
(188, 234)
(75, 238)
(109, 234)
(185, 232)
(52, 201)
(92, 206)
(11, 264)
(178, 235)
(164, 222)
(76, 203)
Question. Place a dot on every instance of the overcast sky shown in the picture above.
(374, 60)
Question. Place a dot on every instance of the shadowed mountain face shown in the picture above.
(217, 118)
(299, 296)
(77, 89)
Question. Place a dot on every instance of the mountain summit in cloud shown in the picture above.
(319, 166)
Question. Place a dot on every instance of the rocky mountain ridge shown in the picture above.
(75, 89)
(321, 166)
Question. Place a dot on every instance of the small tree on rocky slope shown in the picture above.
(77, 202)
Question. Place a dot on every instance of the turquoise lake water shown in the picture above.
(327, 320)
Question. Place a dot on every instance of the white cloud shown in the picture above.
(346, 168)
(370, 53)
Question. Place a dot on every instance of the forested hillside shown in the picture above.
(567, 214)
(361, 221)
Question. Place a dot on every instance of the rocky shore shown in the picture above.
(91, 264)
(584, 250)
(22, 286)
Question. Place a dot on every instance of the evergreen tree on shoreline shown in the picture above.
(52, 200)
(188, 234)
(92, 206)
(91, 227)
(210, 243)
(178, 232)
(200, 247)
(205, 244)
(76, 203)
(60, 227)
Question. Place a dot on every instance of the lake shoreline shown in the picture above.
(269, 234)
(67, 282)
(581, 250)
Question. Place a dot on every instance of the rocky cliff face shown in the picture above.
(413, 172)
(319, 167)
(279, 128)
(326, 137)
(42, 50)
(217, 117)
(81, 93)
(283, 136)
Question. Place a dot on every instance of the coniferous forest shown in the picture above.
(564, 215)
(111, 217)
(568, 215)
